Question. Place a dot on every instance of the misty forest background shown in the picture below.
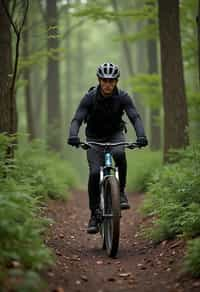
(49, 52)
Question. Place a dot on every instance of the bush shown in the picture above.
(192, 259)
(25, 183)
(174, 201)
(141, 166)
(44, 171)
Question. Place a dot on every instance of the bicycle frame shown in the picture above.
(106, 171)
(107, 168)
(109, 212)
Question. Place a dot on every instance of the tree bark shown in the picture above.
(68, 69)
(155, 141)
(175, 105)
(53, 92)
(27, 90)
(5, 74)
(198, 33)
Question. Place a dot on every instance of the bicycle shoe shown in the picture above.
(92, 225)
(124, 201)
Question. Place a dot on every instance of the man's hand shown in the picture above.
(73, 141)
(142, 141)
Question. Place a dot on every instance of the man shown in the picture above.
(102, 109)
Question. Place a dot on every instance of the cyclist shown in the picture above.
(101, 109)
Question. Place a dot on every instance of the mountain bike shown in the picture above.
(109, 213)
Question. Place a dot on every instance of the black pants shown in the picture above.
(95, 158)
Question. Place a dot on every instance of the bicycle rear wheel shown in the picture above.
(112, 215)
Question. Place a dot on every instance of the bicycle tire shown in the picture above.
(112, 208)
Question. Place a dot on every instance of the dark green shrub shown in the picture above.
(25, 182)
(192, 259)
(174, 201)
(142, 164)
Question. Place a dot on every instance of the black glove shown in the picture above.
(73, 141)
(142, 141)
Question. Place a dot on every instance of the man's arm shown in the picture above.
(133, 116)
(80, 115)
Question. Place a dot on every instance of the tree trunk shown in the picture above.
(53, 94)
(28, 102)
(7, 114)
(128, 55)
(80, 58)
(198, 32)
(175, 106)
(140, 64)
(125, 44)
(155, 141)
(68, 70)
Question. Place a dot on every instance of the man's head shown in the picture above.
(108, 75)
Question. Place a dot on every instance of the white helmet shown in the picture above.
(108, 70)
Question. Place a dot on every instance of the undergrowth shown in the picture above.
(142, 164)
(25, 183)
(173, 200)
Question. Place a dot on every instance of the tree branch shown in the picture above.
(18, 35)
(71, 28)
(44, 16)
(9, 17)
(13, 8)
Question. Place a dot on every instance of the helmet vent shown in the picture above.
(108, 70)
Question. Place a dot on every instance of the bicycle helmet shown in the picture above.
(108, 70)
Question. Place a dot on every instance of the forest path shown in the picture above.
(81, 264)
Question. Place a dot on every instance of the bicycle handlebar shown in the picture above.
(89, 144)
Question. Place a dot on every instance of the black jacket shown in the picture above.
(103, 115)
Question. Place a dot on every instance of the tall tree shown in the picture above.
(125, 44)
(53, 92)
(27, 76)
(127, 52)
(5, 72)
(80, 56)
(8, 77)
(154, 113)
(68, 66)
(175, 105)
(198, 33)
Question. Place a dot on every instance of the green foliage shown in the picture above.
(20, 229)
(141, 166)
(149, 87)
(189, 28)
(174, 201)
(192, 260)
(147, 11)
(25, 182)
(194, 108)
(44, 171)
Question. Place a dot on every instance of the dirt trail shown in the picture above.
(81, 264)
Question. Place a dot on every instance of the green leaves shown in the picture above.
(141, 167)
(174, 200)
(148, 87)
(25, 183)
(192, 261)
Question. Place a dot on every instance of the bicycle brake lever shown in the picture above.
(85, 146)
(132, 146)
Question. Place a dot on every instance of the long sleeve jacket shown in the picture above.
(103, 115)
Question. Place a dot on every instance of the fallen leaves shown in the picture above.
(84, 278)
(125, 275)
(99, 262)
(59, 289)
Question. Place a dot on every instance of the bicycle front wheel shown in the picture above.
(112, 215)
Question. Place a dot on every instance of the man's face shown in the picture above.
(107, 85)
